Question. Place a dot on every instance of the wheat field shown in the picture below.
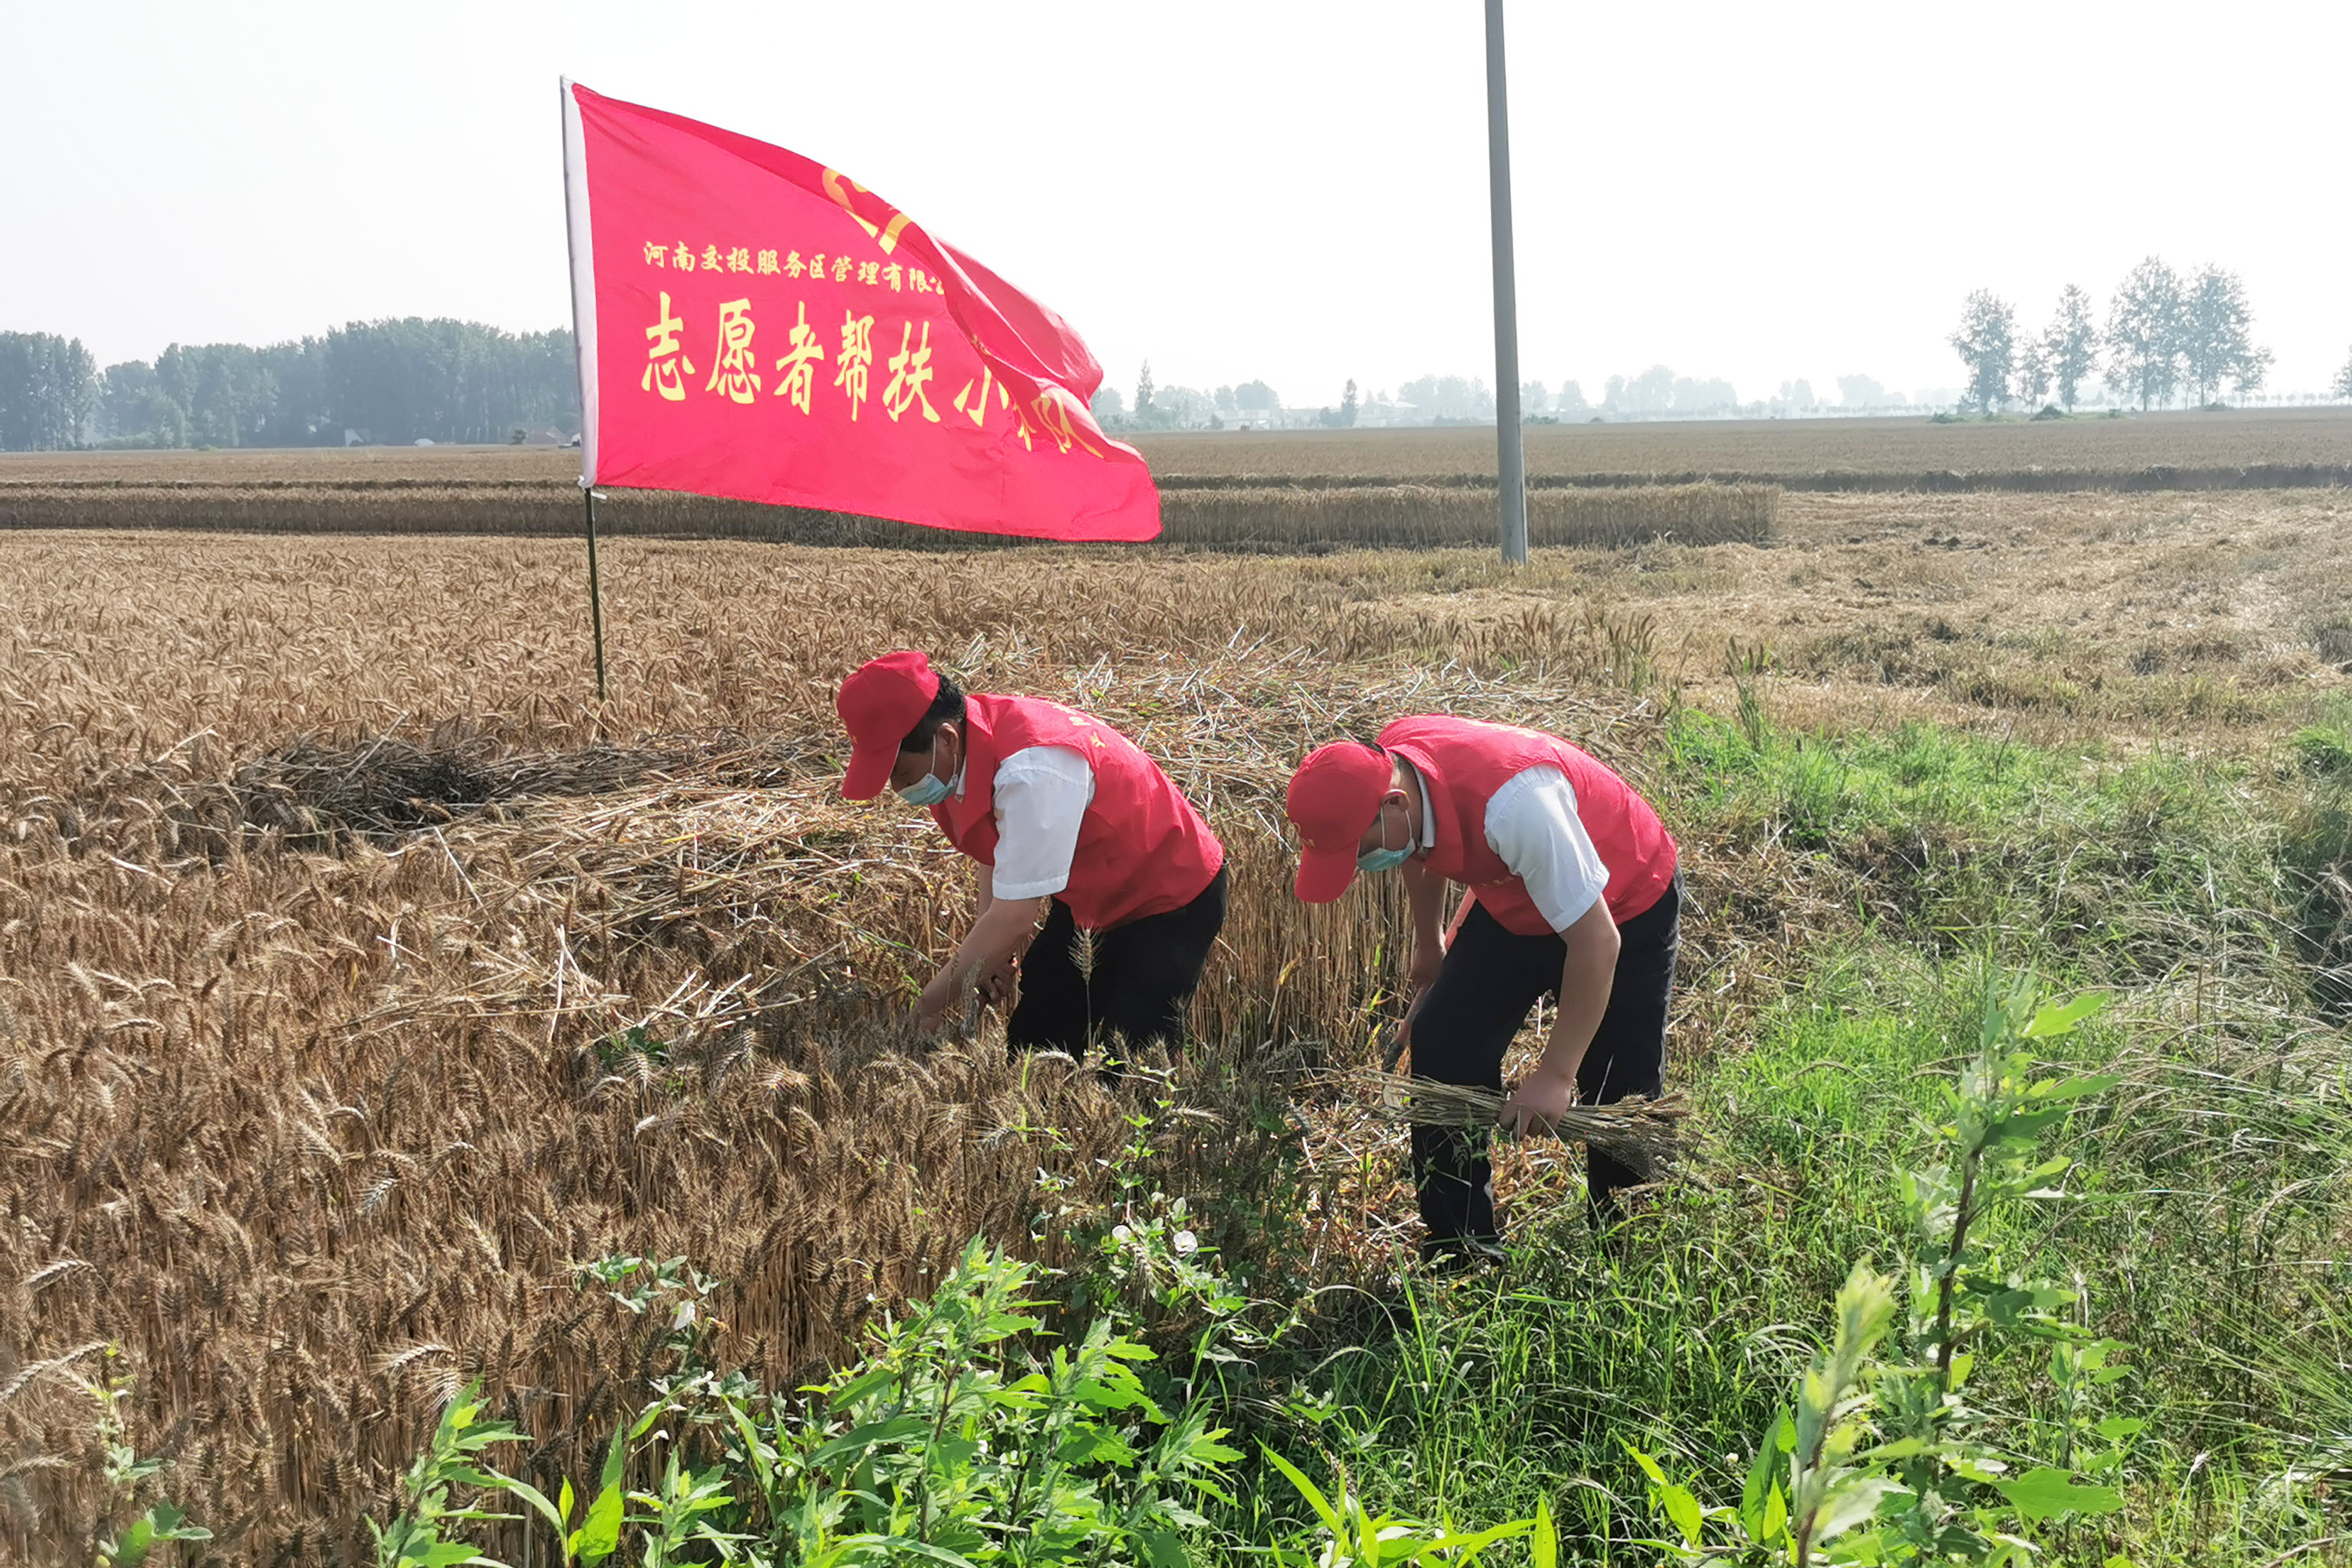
(360, 975)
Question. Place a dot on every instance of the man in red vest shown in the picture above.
(1574, 891)
(1049, 801)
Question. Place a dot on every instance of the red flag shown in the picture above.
(752, 324)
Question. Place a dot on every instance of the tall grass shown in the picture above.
(2201, 1225)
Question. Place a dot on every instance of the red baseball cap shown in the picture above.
(882, 701)
(1334, 796)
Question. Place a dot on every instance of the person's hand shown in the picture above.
(999, 983)
(1404, 1041)
(1536, 1104)
(1427, 960)
(939, 1001)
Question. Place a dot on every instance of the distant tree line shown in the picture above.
(2165, 336)
(1183, 408)
(47, 391)
(393, 381)
(1425, 400)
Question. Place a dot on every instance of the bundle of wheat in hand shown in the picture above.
(1639, 1132)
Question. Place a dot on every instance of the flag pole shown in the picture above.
(1510, 458)
(579, 239)
(596, 593)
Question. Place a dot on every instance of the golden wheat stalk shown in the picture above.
(1642, 1133)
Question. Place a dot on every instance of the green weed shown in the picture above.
(125, 1470)
(1893, 1460)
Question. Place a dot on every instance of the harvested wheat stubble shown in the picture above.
(2198, 448)
(1829, 482)
(1260, 520)
(1643, 1133)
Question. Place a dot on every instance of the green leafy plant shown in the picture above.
(678, 1518)
(598, 1534)
(414, 1538)
(954, 1440)
(634, 1049)
(670, 1292)
(1355, 1537)
(1885, 1460)
(125, 1470)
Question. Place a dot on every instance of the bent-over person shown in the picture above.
(1574, 891)
(1051, 803)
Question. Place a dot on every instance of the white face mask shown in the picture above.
(931, 789)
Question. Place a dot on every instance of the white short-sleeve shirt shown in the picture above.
(1532, 824)
(1041, 796)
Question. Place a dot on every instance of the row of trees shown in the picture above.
(48, 390)
(1157, 407)
(393, 381)
(1182, 407)
(2164, 335)
(1429, 399)
(1855, 392)
(1659, 391)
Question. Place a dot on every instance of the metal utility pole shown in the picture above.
(1510, 460)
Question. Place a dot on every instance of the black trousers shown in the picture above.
(1145, 972)
(1490, 978)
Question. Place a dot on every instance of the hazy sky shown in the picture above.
(1280, 189)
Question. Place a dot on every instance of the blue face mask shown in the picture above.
(1378, 860)
(927, 791)
(931, 789)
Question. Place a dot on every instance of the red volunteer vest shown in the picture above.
(1464, 761)
(1144, 849)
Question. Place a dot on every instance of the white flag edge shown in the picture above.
(580, 237)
